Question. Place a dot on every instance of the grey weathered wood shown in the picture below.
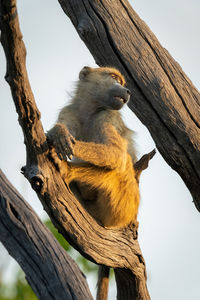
(163, 97)
(50, 271)
(114, 248)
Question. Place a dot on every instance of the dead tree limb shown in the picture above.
(49, 270)
(114, 248)
(163, 97)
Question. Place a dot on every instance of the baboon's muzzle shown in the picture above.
(121, 93)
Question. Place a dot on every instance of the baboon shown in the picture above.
(92, 131)
(102, 173)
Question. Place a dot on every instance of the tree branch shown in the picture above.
(113, 248)
(47, 265)
(164, 98)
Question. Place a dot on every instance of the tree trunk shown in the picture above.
(163, 97)
(49, 270)
(113, 248)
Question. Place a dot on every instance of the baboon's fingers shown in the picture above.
(64, 151)
(67, 149)
(63, 142)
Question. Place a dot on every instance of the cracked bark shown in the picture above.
(113, 248)
(164, 98)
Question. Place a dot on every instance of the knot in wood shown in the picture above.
(37, 183)
(131, 231)
(84, 27)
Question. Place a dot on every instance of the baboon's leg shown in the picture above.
(91, 175)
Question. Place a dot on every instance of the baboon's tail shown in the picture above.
(103, 283)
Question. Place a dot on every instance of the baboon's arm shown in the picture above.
(110, 156)
(111, 153)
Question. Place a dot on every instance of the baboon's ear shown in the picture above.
(84, 72)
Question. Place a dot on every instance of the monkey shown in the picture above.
(95, 153)
(91, 129)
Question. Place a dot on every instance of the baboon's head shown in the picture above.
(104, 86)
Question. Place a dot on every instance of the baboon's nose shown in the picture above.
(127, 95)
(128, 92)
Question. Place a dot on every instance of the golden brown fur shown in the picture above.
(102, 147)
(112, 175)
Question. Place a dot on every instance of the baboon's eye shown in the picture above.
(117, 78)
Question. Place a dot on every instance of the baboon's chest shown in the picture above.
(90, 131)
(91, 128)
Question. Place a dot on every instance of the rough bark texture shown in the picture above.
(50, 271)
(114, 248)
(164, 98)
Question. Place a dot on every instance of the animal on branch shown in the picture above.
(91, 130)
(103, 172)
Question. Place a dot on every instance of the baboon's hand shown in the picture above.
(63, 142)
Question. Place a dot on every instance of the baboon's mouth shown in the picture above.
(121, 99)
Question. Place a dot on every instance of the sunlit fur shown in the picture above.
(104, 152)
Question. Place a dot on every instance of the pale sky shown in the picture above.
(169, 222)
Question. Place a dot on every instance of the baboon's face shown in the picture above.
(106, 87)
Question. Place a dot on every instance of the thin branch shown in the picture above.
(17, 77)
